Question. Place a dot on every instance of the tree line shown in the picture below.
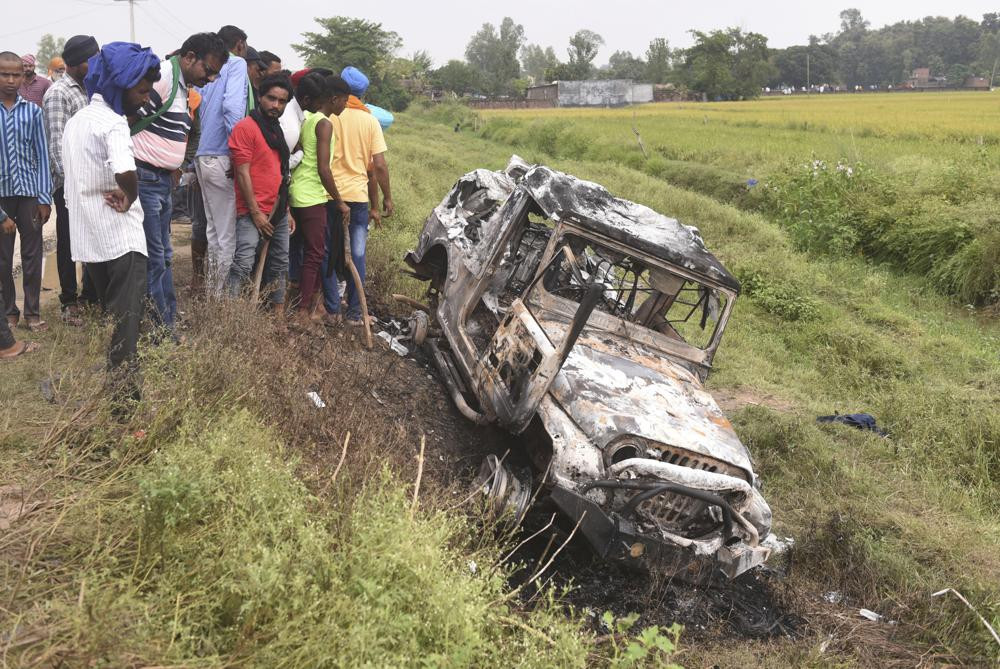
(728, 63)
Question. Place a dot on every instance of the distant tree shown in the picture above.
(583, 48)
(802, 64)
(458, 77)
(851, 21)
(561, 72)
(727, 64)
(623, 65)
(49, 47)
(659, 61)
(989, 55)
(535, 61)
(412, 73)
(364, 44)
(494, 53)
(991, 22)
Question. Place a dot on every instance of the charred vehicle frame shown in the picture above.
(556, 304)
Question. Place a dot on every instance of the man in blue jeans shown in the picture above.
(260, 160)
(160, 137)
(360, 170)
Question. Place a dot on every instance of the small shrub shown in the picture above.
(780, 298)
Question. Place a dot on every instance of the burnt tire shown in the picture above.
(505, 497)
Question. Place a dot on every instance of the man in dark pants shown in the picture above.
(9, 347)
(25, 192)
(101, 192)
(62, 100)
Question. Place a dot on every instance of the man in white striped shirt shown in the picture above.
(160, 139)
(101, 191)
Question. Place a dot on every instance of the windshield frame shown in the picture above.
(536, 297)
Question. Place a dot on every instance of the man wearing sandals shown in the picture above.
(25, 192)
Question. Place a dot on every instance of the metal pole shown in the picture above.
(131, 18)
(808, 78)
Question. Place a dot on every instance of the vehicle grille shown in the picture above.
(677, 513)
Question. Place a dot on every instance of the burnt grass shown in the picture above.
(389, 403)
(750, 607)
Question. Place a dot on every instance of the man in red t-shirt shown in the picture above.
(260, 159)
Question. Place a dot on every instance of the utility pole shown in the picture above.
(131, 17)
(808, 78)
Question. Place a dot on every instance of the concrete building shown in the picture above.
(592, 93)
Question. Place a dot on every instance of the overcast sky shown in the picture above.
(444, 28)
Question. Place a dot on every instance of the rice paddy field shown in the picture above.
(755, 136)
(908, 179)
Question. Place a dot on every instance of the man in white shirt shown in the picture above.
(101, 190)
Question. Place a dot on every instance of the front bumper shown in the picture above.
(617, 538)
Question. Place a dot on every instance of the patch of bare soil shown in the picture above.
(731, 400)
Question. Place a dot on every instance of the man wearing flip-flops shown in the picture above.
(10, 348)
(25, 192)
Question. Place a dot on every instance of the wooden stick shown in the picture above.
(343, 454)
(420, 475)
(360, 287)
(260, 270)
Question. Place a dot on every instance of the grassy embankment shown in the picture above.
(887, 522)
(920, 194)
(208, 540)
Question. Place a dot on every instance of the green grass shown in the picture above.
(889, 521)
(217, 537)
(198, 535)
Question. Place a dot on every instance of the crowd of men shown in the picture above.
(276, 161)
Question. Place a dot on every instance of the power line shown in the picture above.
(176, 19)
(48, 23)
(170, 32)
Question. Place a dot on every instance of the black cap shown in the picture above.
(78, 49)
(254, 57)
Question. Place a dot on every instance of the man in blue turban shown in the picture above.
(117, 69)
(102, 188)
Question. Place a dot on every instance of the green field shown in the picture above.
(909, 179)
(211, 529)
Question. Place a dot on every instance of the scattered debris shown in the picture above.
(557, 305)
(316, 399)
(861, 421)
(871, 615)
(393, 343)
(833, 597)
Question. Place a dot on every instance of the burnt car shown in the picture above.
(561, 309)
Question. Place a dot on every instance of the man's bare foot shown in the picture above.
(18, 349)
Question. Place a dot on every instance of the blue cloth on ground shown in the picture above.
(117, 67)
(861, 421)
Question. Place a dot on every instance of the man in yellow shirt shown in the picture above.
(358, 155)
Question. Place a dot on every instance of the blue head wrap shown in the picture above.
(117, 67)
(356, 79)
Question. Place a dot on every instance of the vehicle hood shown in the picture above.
(611, 389)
